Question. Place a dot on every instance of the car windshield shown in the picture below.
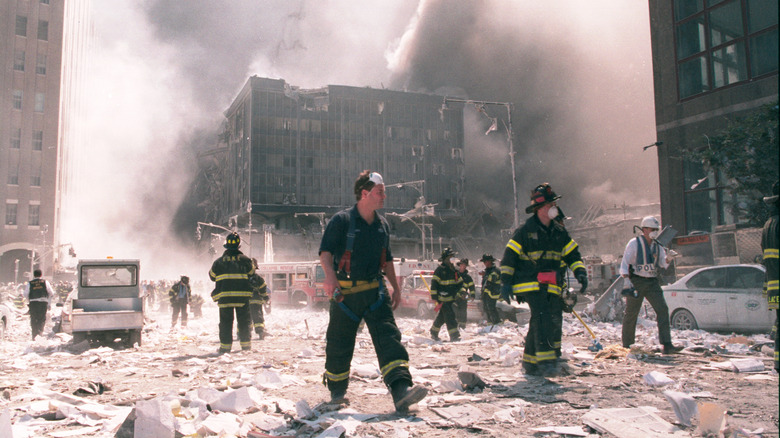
(96, 276)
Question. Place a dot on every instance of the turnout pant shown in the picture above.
(446, 316)
(340, 340)
(226, 327)
(489, 307)
(258, 321)
(556, 314)
(461, 311)
(649, 288)
(179, 307)
(539, 342)
(38, 317)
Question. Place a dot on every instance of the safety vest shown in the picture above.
(38, 290)
(646, 263)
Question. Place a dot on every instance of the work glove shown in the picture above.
(582, 276)
(569, 301)
(506, 292)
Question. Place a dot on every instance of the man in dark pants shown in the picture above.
(179, 295)
(462, 303)
(446, 289)
(39, 293)
(770, 241)
(642, 262)
(530, 271)
(232, 292)
(491, 289)
(259, 298)
(355, 253)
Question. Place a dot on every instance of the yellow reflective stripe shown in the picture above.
(553, 289)
(453, 331)
(449, 282)
(516, 247)
(259, 324)
(571, 246)
(446, 299)
(226, 305)
(557, 344)
(525, 287)
(245, 344)
(224, 346)
(545, 355)
(232, 277)
(507, 270)
(771, 253)
(528, 358)
(337, 377)
(360, 286)
(393, 365)
(576, 265)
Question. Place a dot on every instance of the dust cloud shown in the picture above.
(161, 74)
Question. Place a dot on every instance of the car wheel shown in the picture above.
(422, 310)
(299, 299)
(683, 320)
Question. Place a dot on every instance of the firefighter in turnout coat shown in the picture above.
(530, 271)
(462, 303)
(491, 288)
(232, 293)
(446, 288)
(259, 298)
(179, 295)
(770, 240)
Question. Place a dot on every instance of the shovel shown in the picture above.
(596, 344)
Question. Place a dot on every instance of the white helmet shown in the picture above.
(650, 222)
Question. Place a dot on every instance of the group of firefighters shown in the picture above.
(356, 258)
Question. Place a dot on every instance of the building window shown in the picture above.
(43, 30)
(35, 181)
(17, 99)
(10, 214)
(40, 65)
(19, 56)
(16, 138)
(724, 42)
(13, 178)
(39, 102)
(37, 143)
(21, 26)
(44, 2)
(34, 215)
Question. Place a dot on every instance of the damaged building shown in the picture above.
(287, 158)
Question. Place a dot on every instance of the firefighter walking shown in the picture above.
(530, 271)
(491, 289)
(446, 288)
(39, 294)
(179, 296)
(232, 293)
(259, 298)
(354, 253)
(462, 303)
(770, 242)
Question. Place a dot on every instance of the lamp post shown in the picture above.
(508, 106)
(418, 185)
(16, 271)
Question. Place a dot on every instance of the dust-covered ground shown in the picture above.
(51, 387)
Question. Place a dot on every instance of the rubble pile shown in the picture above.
(174, 385)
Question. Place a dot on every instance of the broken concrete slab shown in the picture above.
(631, 422)
(461, 415)
(684, 405)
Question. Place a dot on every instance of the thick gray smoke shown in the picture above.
(163, 72)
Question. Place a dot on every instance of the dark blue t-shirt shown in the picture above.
(367, 249)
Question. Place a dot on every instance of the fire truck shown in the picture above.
(297, 284)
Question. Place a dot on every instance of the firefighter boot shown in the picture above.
(434, 335)
(404, 397)
(669, 348)
(260, 334)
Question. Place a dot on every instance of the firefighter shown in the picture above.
(530, 271)
(39, 294)
(259, 298)
(446, 288)
(770, 240)
(491, 289)
(179, 295)
(642, 262)
(232, 292)
(196, 305)
(461, 304)
(354, 254)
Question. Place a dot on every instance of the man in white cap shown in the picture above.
(642, 262)
(355, 255)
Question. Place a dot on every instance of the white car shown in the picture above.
(720, 298)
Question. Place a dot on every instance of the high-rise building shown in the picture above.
(42, 43)
(713, 61)
(288, 151)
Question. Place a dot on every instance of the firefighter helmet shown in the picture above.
(233, 240)
(463, 262)
(447, 254)
(650, 222)
(487, 258)
(542, 194)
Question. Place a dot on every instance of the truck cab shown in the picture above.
(106, 303)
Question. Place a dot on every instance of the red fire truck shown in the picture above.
(296, 284)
